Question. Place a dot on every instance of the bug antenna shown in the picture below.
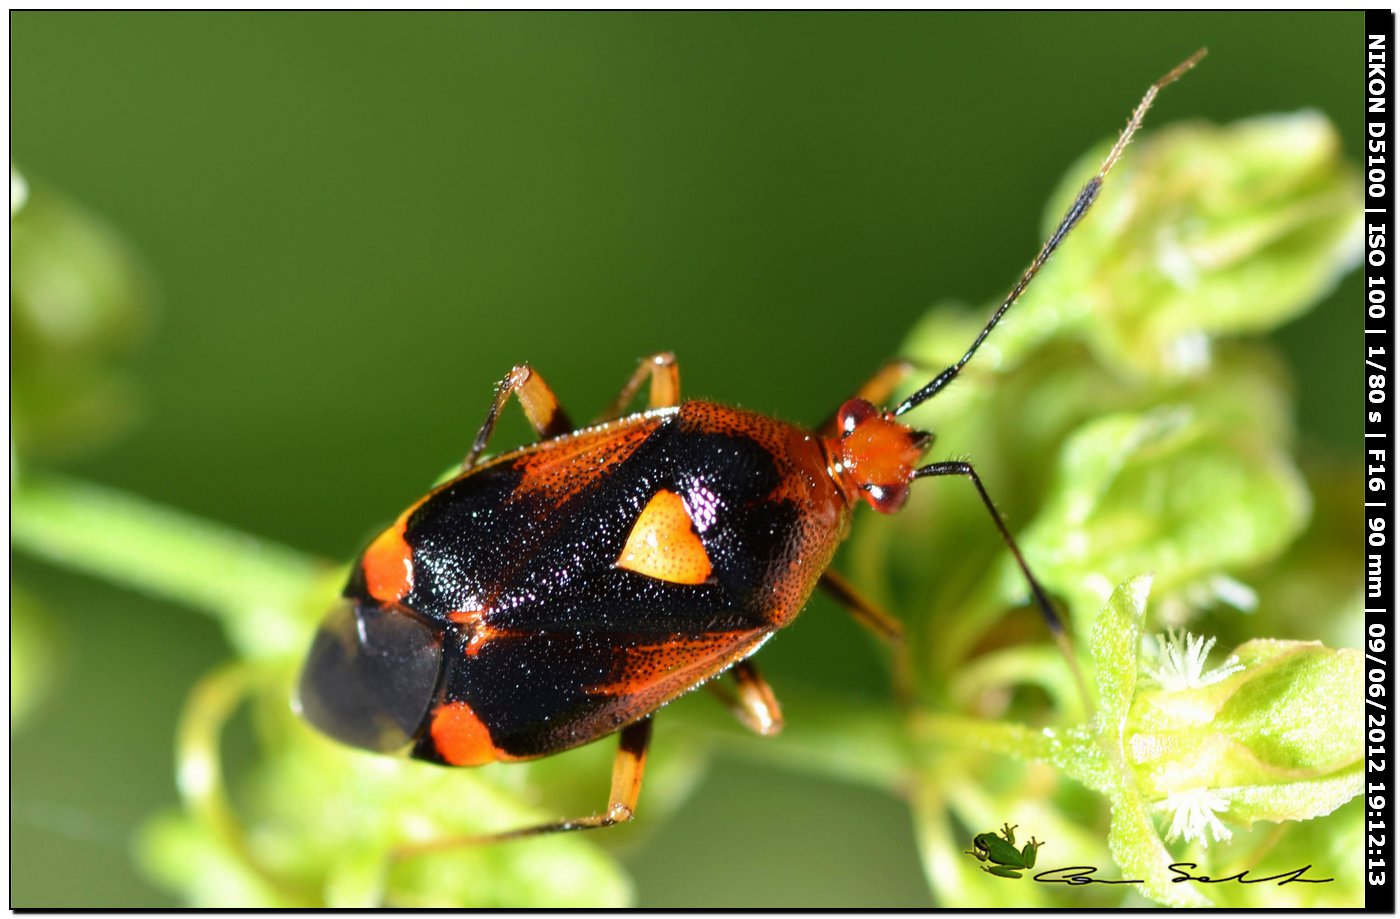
(1076, 212)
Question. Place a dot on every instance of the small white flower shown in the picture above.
(1193, 813)
(1181, 661)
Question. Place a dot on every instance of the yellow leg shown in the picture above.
(622, 799)
(665, 376)
(753, 702)
(541, 407)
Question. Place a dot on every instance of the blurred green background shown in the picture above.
(356, 223)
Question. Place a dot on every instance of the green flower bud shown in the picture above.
(1278, 740)
(78, 301)
(1170, 491)
(1210, 231)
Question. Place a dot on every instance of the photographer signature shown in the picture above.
(999, 856)
(1075, 875)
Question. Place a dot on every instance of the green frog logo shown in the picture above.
(1004, 859)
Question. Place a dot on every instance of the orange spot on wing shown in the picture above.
(473, 622)
(388, 564)
(663, 543)
(460, 736)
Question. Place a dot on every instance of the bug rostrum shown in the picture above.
(563, 591)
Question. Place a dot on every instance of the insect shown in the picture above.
(566, 590)
(1006, 860)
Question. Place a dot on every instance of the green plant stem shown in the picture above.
(238, 578)
(200, 771)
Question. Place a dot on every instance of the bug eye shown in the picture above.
(371, 675)
(887, 498)
(852, 413)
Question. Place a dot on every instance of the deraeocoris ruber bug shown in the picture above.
(566, 590)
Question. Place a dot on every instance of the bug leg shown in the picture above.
(631, 760)
(633, 741)
(889, 629)
(1042, 599)
(754, 704)
(862, 609)
(665, 376)
(536, 398)
(876, 390)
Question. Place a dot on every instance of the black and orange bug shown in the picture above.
(566, 590)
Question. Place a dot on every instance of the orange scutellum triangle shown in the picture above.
(663, 543)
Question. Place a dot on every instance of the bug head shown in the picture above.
(371, 675)
(878, 454)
